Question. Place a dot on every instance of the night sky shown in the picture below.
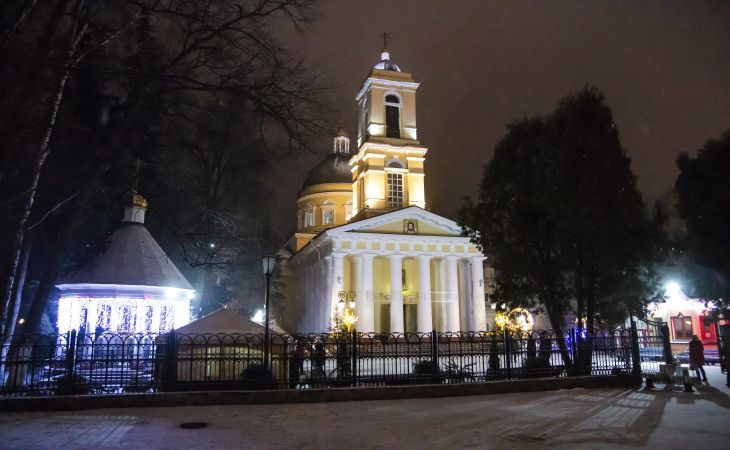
(663, 66)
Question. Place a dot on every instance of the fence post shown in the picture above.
(635, 356)
(169, 372)
(353, 354)
(666, 344)
(574, 350)
(70, 361)
(507, 353)
(435, 375)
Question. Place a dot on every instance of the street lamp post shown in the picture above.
(347, 306)
(269, 262)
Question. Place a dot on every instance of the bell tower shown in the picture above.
(388, 171)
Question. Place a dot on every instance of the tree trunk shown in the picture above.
(14, 310)
(549, 300)
(557, 326)
(41, 155)
(12, 318)
(16, 373)
(55, 258)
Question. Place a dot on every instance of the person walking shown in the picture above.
(697, 357)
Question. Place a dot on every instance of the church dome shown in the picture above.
(385, 62)
(335, 168)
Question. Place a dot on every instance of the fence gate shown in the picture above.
(654, 345)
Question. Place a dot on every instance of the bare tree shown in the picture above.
(157, 62)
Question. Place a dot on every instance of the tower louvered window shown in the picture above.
(395, 190)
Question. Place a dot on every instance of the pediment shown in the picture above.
(408, 221)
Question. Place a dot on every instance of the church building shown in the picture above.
(366, 246)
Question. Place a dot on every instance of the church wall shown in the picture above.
(408, 115)
(416, 190)
(337, 196)
(375, 188)
(410, 265)
(381, 276)
(376, 125)
(349, 282)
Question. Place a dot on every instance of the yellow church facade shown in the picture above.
(365, 243)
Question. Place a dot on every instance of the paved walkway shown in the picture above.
(579, 418)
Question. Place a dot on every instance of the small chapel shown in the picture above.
(365, 244)
(132, 287)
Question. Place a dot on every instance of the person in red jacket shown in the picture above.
(697, 357)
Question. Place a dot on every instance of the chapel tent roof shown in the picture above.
(131, 257)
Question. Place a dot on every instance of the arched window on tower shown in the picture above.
(395, 171)
(328, 213)
(348, 210)
(392, 116)
(309, 216)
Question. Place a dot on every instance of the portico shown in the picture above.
(403, 282)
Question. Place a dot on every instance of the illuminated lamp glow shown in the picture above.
(518, 319)
(672, 288)
(349, 319)
(182, 314)
(258, 317)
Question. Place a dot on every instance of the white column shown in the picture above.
(306, 311)
(114, 316)
(396, 294)
(338, 282)
(311, 302)
(464, 269)
(359, 294)
(317, 299)
(452, 287)
(425, 322)
(75, 314)
(478, 319)
(327, 308)
(156, 316)
(141, 309)
(367, 322)
(440, 320)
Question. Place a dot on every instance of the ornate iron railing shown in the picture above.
(122, 363)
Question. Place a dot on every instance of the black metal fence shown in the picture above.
(654, 346)
(122, 363)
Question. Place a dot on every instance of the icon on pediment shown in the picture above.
(410, 226)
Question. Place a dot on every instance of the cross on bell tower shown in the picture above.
(385, 40)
